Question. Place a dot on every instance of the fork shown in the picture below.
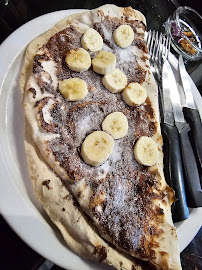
(159, 49)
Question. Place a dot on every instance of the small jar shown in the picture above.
(184, 28)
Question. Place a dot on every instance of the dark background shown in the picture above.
(18, 12)
(14, 253)
(14, 13)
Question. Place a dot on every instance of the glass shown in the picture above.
(185, 30)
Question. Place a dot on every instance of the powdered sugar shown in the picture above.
(107, 34)
(78, 119)
(120, 178)
(125, 55)
(103, 170)
(83, 125)
(117, 152)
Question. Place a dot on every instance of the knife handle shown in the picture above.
(174, 172)
(193, 118)
(194, 192)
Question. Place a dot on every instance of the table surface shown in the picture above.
(18, 12)
(24, 258)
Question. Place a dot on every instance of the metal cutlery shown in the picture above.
(190, 111)
(189, 161)
(173, 116)
(172, 158)
(170, 131)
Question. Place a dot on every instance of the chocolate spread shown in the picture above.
(126, 207)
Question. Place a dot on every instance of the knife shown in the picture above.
(172, 156)
(190, 112)
(193, 187)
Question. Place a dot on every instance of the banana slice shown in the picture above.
(97, 147)
(73, 89)
(92, 40)
(134, 94)
(146, 151)
(123, 36)
(104, 62)
(115, 81)
(78, 60)
(116, 124)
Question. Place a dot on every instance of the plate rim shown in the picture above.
(4, 171)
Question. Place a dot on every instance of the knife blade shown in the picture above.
(172, 156)
(192, 182)
(190, 112)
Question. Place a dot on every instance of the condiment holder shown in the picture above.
(184, 27)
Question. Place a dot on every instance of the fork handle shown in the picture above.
(174, 172)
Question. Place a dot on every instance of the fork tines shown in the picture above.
(159, 47)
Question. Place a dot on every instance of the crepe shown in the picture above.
(70, 190)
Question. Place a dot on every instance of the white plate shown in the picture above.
(17, 201)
